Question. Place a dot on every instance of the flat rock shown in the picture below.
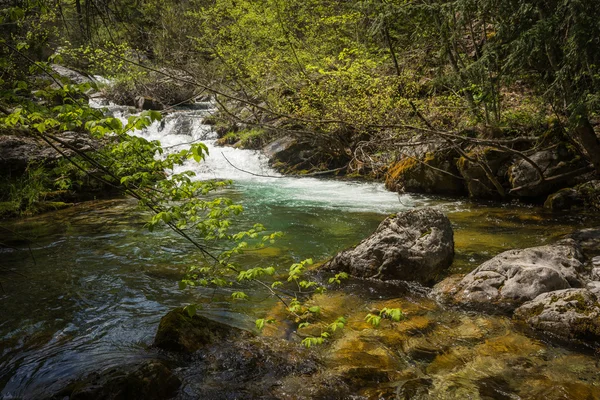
(514, 277)
(415, 245)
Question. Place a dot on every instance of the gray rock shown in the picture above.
(516, 276)
(17, 152)
(71, 75)
(433, 172)
(288, 152)
(569, 313)
(412, 246)
(589, 241)
(552, 163)
(477, 182)
(594, 287)
(581, 197)
(147, 103)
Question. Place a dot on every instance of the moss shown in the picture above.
(398, 170)
(586, 329)
(532, 312)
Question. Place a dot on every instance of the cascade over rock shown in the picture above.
(414, 245)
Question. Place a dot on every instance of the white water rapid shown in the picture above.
(251, 174)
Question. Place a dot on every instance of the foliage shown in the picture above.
(393, 314)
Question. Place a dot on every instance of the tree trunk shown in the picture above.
(584, 132)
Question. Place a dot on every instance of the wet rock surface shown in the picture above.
(152, 380)
(516, 276)
(412, 246)
(569, 314)
(178, 331)
(258, 367)
(288, 153)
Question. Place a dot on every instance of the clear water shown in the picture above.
(90, 292)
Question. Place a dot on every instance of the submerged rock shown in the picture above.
(516, 276)
(151, 380)
(178, 331)
(412, 246)
(257, 368)
(569, 314)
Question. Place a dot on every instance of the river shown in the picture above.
(84, 288)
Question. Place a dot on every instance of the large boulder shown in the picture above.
(71, 75)
(17, 151)
(581, 197)
(287, 152)
(553, 162)
(180, 331)
(415, 245)
(477, 181)
(569, 314)
(517, 276)
(435, 173)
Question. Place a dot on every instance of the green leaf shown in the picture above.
(190, 309)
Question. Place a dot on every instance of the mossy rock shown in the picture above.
(568, 314)
(477, 182)
(435, 173)
(178, 331)
(581, 197)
